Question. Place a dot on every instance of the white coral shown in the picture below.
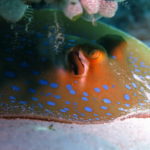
(72, 8)
(12, 10)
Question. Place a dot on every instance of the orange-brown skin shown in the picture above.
(92, 70)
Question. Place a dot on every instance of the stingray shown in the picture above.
(87, 81)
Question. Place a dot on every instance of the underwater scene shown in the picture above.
(74, 74)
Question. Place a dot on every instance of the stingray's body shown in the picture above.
(83, 83)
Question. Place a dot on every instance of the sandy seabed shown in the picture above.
(129, 134)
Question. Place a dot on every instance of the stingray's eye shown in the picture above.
(75, 63)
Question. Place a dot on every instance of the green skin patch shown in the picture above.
(76, 17)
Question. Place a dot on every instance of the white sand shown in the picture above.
(12, 10)
(130, 134)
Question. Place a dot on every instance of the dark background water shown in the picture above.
(133, 17)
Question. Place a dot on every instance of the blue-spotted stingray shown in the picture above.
(87, 81)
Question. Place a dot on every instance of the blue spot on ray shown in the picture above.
(75, 103)
(46, 43)
(85, 94)
(137, 70)
(105, 87)
(43, 82)
(126, 97)
(34, 98)
(141, 104)
(15, 88)
(108, 114)
(51, 103)
(67, 102)
(57, 96)
(31, 90)
(24, 64)
(105, 100)
(135, 66)
(142, 65)
(64, 109)
(39, 35)
(53, 85)
(127, 86)
(49, 111)
(48, 94)
(73, 92)
(70, 44)
(114, 57)
(9, 59)
(69, 87)
(22, 102)
(97, 90)
(10, 74)
(88, 109)
(35, 72)
(121, 109)
(75, 115)
(104, 107)
(134, 85)
(12, 98)
(72, 40)
(84, 98)
(81, 114)
(127, 105)
(141, 77)
(40, 105)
